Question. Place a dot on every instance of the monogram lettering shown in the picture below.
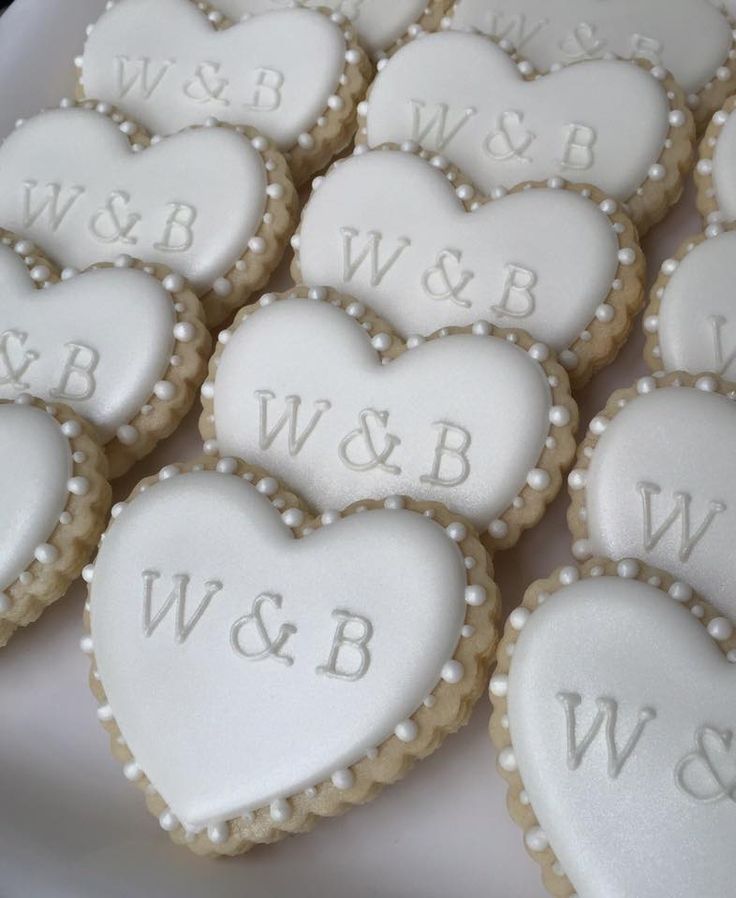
(290, 418)
(54, 203)
(354, 645)
(709, 785)
(372, 458)
(271, 647)
(178, 232)
(681, 511)
(582, 43)
(206, 86)
(643, 47)
(577, 152)
(607, 715)
(456, 452)
(510, 139)
(722, 363)
(371, 248)
(436, 121)
(517, 299)
(11, 372)
(76, 381)
(177, 599)
(108, 223)
(141, 72)
(439, 283)
(266, 90)
(518, 29)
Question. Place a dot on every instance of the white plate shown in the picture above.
(71, 827)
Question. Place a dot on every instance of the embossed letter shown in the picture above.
(271, 646)
(374, 458)
(681, 510)
(582, 43)
(290, 416)
(577, 152)
(108, 226)
(718, 785)
(140, 73)
(722, 363)
(444, 448)
(343, 642)
(177, 597)
(371, 247)
(267, 90)
(508, 142)
(79, 367)
(608, 714)
(421, 131)
(643, 47)
(178, 233)
(517, 299)
(57, 205)
(515, 30)
(11, 373)
(206, 86)
(439, 283)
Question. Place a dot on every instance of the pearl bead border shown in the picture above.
(663, 185)
(542, 482)
(577, 512)
(707, 199)
(600, 341)
(463, 677)
(59, 559)
(542, 592)
(173, 393)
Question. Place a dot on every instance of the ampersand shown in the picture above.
(271, 646)
(582, 43)
(439, 284)
(510, 139)
(375, 459)
(12, 374)
(206, 86)
(720, 788)
(112, 224)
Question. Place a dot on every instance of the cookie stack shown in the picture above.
(320, 576)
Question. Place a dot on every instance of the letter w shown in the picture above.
(57, 205)
(681, 510)
(372, 248)
(290, 417)
(421, 130)
(140, 72)
(177, 597)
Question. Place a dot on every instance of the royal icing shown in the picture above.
(690, 322)
(278, 72)
(308, 390)
(378, 24)
(209, 581)
(71, 180)
(654, 480)
(715, 172)
(464, 97)
(392, 230)
(688, 37)
(618, 713)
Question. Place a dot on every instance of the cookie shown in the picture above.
(133, 381)
(613, 718)
(295, 74)
(55, 503)
(313, 386)
(216, 204)
(331, 657)
(380, 27)
(393, 230)
(622, 126)
(714, 174)
(688, 37)
(654, 480)
(688, 323)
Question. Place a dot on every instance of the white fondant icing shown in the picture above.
(688, 37)
(35, 465)
(637, 832)
(667, 459)
(463, 96)
(70, 180)
(501, 263)
(724, 170)
(461, 420)
(99, 341)
(274, 72)
(266, 728)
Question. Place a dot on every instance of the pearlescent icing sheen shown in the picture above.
(217, 733)
(673, 441)
(379, 23)
(526, 124)
(274, 72)
(64, 170)
(724, 169)
(35, 464)
(492, 397)
(121, 323)
(459, 267)
(636, 834)
(697, 315)
(688, 37)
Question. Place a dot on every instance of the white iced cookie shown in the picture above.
(215, 203)
(313, 386)
(688, 37)
(294, 74)
(380, 25)
(654, 479)
(55, 499)
(125, 346)
(331, 652)
(420, 245)
(619, 125)
(690, 319)
(715, 172)
(613, 718)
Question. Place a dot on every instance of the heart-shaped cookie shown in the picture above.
(380, 26)
(394, 231)
(314, 387)
(215, 204)
(329, 657)
(715, 173)
(133, 382)
(688, 37)
(295, 74)
(614, 719)
(55, 499)
(690, 319)
(619, 125)
(654, 479)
